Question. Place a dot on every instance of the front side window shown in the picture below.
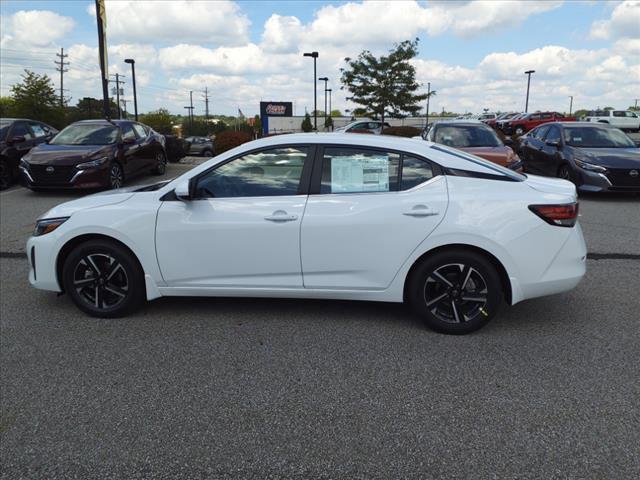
(630, 115)
(553, 135)
(128, 133)
(87, 135)
(358, 170)
(540, 132)
(140, 130)
(271, 172)
(37, 130)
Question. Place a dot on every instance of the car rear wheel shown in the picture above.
(207, 153)
(6, 176)
(519, 131)
(455, 292)
(564, 172)
(161, 164)
(103, 279)
(116, 176)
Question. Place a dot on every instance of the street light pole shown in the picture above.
(325, 80)
(528, 73)
(133, 76)
(570, 104)
(314, 55)
(426, 122)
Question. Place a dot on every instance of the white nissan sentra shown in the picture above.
(329, 216)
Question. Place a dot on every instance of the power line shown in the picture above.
(61, 64)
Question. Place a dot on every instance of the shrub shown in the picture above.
(402, 131)
(227, 140)
(306, 125)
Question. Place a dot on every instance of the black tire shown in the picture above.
(6, 175)
(564, 172)
(161, 164)
(207, 153)
(103, 279)
(116, 176)
(519, 130)
(459, 278)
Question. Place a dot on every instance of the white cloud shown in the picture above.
(219, 22)
(624, 22)
(38, 28)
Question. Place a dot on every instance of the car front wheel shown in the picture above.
(116, 176)
(103, 279)
(161, 164)
(455, 292)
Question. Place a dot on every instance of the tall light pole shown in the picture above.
(314, 55)
(426, 121)
(133, 76)
(528, 73)
(325, 80)
(570, 104)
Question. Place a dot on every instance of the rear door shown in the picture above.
(21, 129)
(371, 208)
(532, 147)
(133, 156)
(549, 155)
(148, 148)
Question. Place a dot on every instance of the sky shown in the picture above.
(473, 53)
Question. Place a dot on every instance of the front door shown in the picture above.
(242, 229)
(372, 210)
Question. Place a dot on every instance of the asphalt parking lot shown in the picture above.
(258, 388)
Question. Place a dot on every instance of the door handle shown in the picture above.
(281, 216)
(421, 211)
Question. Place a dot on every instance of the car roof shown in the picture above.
(462, 123)
(582, 124)
(103, 121)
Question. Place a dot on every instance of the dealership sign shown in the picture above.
(274, 109)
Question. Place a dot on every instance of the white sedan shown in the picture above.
(330, 216)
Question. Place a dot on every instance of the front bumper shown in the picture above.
(62, 177)
(42, 257)
(614, 180)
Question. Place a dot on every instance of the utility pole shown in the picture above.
(191, 108)
(124, 102)
(570, 104)
(61, 64)
(636, 105)
(426, 120)
(117, 81)
(528, 73)
(206, 103)
(325, 80)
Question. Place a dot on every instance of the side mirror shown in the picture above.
(182, 190)
(17, 139)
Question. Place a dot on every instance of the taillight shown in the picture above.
(559, 215)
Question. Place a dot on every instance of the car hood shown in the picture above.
(109, 197)
(551, 185)
(62, 155)
(610, 157)
(502, 155)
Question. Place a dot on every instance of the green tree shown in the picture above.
(336, 113)
(159, 120)
(634, 108)
(6, 107)
(36, 98)
(328, 123)
(306, 125)
(385, 84)
(89, 108)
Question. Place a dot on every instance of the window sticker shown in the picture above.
(357, 173)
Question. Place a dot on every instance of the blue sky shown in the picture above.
(471, 52)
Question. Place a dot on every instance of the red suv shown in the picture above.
(532, 120)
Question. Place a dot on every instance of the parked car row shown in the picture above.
(622, 119)
(85, 154)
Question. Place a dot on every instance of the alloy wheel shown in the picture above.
(161, 163)
(456, 293)
(100, 281)
(115, 176)
(564, 173)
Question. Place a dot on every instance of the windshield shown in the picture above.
(461, 136)
(596, 137)
(86, 135)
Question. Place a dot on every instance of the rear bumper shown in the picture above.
(563, 273)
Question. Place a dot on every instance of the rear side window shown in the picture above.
(618, 113)
(414, 172)
(127, 132)
(20, 129)
(356, 170)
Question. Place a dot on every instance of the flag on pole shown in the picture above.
(101, 17)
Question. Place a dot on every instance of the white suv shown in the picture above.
(622, 119)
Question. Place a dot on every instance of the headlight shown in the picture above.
(93, 163)
(589, 166)
(48, 225)
(24, 164)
